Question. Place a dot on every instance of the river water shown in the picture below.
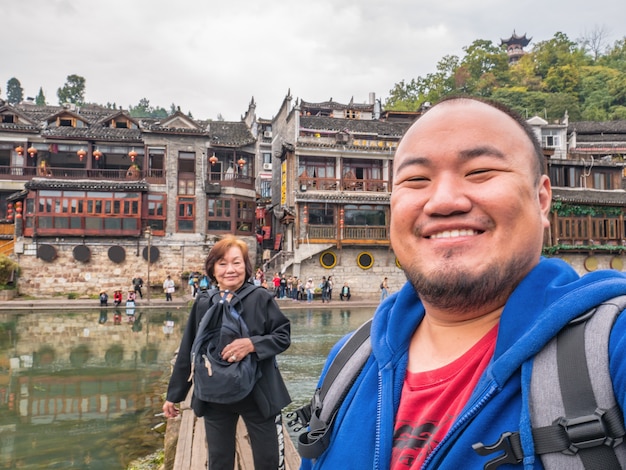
(82, 390)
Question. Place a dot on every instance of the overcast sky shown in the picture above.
(212, 58)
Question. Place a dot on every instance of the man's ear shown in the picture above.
(545, 199)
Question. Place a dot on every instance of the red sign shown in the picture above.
(277, 240)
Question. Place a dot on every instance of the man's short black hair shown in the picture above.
(540, 166)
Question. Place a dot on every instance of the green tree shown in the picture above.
(617, 113)
(558, 51)
(73, 91)
(8, 269)
(522, 74)
(563, 79)
(485, 67)
(40, 99)
(15, 93)
(145, 109)
(615, 58)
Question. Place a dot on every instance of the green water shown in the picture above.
(81, 390)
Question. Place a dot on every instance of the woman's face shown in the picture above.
(230, 271)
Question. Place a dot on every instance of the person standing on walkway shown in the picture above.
(330, 288)
(308, 287)
(384, 289)
(228, 264)
(137, 285)
(168, 288)
(325, 289)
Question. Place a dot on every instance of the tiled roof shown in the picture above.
(331, 105)
(354, 126)
(593, 127)
(230, 134)
(94, 132)
(221, 133)
(590, 196)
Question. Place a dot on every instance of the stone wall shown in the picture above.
(65, 274)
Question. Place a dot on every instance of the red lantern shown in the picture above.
(213, 159)
(81, 154)
(20, 150)
(18, 209)
(241, 162)
(32, 151)
(97, 154)
(132, 154)
(10, 211)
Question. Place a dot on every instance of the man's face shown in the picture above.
(467, 214)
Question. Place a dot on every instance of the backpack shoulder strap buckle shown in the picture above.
(510, 446)
(588, 431)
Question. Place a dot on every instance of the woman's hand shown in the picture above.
(237, 350)
(169, 410)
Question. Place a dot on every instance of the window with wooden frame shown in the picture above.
(219, 215)
(245, 216)
(185, 219)
(155, 214)
(84, 213)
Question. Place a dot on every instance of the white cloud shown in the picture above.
(213, 57)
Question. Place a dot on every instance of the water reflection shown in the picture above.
(81, 389)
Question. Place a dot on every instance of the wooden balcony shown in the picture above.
(27, 173)
(228, 180)
(353, 234)
(587, 231)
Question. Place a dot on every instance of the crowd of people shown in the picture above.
(283, 287)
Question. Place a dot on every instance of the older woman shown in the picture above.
(228, 266)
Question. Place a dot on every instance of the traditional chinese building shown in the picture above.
(515, 46)
(330, 201)
(93, 191)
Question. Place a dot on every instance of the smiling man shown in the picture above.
(469, 208)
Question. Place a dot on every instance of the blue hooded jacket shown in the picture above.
(549, 297)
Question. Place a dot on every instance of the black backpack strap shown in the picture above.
(580, 427)
(320, 414)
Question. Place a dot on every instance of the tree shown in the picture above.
(144, 109)
(563, 79)
(594, 41)
(40, 99)
(486, 66)
(73, 91)
(616, 56)
(558, 51)
(15, 93)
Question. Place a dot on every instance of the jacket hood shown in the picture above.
(549, 297)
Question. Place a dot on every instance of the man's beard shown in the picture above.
(451, 288)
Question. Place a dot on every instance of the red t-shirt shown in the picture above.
(432, 400)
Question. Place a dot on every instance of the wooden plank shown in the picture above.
(185, 441)
(292, 458)
(199, 452)
(192, 452)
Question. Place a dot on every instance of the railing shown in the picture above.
(322, 232)
(365, 233)
(230, 180)
(362, 233)
(576, 231)
(344, 184)
(318, 184)
(27, 173)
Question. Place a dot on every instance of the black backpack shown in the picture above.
(214, 379)
(581, 427)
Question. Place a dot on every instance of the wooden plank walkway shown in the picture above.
(191, 448)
